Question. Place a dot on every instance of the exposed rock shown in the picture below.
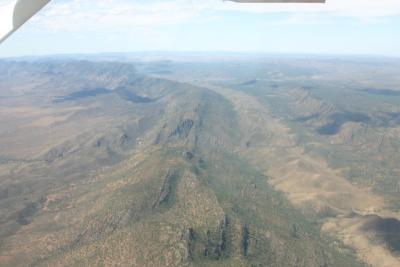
(183, 129)
(245, 239)
(221, 247)
(190, 239)
(165, 196)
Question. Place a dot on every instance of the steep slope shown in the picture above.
(130, 170)
(326, 133)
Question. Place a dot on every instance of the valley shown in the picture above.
(199, 162)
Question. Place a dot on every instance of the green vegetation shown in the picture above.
(130, 169)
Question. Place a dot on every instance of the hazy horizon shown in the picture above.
(337, 27)
(187, 53)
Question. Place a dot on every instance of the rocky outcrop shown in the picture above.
(182, 130)
(190, 238)
(217, 242)
(245, 240)
(213, 244)
(165, 198)
(222, 241)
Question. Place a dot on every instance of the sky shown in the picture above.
(366, 27)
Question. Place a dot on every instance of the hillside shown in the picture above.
(115, 164)
(325, 132)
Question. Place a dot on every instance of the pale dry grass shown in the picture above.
(29, 132)
(348, 229)
(308, 181)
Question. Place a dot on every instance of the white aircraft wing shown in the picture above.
(14, 13)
